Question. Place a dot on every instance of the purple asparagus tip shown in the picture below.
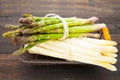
(94, 19)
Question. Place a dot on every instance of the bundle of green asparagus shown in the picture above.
(42, 35)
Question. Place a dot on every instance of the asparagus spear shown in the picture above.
(27, 47)
(78, 29)
(27, 15)
(47, 22)
(39, 21)
(102, 49)
(100, 42)
(36, 19)
(24, 39)
(11, 27)
(16, 32)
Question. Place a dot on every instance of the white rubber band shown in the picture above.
(65, 25)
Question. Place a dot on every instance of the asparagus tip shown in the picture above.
(19, 51)
(27, 15)
(94, 19)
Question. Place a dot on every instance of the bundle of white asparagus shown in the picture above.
(85, 50)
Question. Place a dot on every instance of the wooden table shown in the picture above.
(11, 68)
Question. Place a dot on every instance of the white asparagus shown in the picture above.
(85, 50)
(78, 51)
(109, 55)
(47, 52)
(92, 46)
(100, 42)
(62, 45)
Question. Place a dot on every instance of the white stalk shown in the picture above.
(47, 52)
(73, 50)
(92, 46)
(100, 42)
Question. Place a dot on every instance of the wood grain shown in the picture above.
(82, 8)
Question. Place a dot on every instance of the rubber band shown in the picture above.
(65, 25)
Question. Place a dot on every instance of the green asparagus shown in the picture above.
(25, 39)
(27, 47)
(78, 29)
(59, 25)
(11, 27)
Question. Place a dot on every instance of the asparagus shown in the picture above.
(68, 48)
(27, 47)
(36, 19)
(93, 19)
(11, 27)
(47, 22)
(41, 29)
(27, 20)
(45, 48)
(102, 49)
(100, 42)
(33, 23)
(24, 39)
(27, 15)
(42, 38)
(33, 18)
(59, 25)
(75, 29)
(16, 32)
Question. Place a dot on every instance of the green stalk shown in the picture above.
(26, 48)
(11, 27)
(16, 32)
(24, 39)
(47, 22)
(36, 19)
(78, 29)
(28, 18)
(43, 29)
(33, 23)
(59, 25)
